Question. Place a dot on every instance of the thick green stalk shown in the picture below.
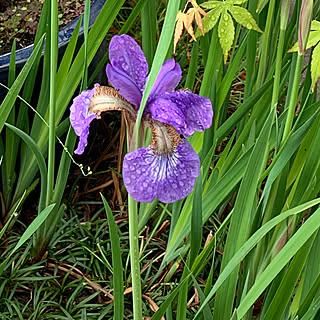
(277, 74)
(265, 46)
(134, 259)
(293, 98)
(52, 99)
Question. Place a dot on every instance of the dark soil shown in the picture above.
(19, 20)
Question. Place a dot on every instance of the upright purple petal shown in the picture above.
(185, 111)
(80, 118)
(167, 79)
(129, 68)
(125, 86)
(169, 177)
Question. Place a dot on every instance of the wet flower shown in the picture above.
(168, 167)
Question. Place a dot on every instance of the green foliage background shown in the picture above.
(243, 245)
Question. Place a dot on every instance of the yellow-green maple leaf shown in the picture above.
(222, 11)
(226, 33)
(244, 17)
(315, 65)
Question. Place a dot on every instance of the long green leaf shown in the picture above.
(8, 102)
(284, 256)
(215, 194)
(39, 158)
(116, 264)
(238, 230)
(251, 243)
(33, 227)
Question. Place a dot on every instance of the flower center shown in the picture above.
(164, 138)
(108, 99)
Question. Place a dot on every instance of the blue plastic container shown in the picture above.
(64, 36)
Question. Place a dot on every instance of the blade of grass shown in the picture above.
(169, 299)
(67, 57)
(294, 244)
(52, 97)
(215, 194)
(8, 170)
(8, 102)
(149, 29)
(288, 283)
(196, 219)
(39, 158)
(33, 227)
(250, 244)
(118, 303)
(240, 220)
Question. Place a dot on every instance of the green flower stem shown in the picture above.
(293, 98)
(277, 74)
(52, 107)
(265, 46)
(134, 259)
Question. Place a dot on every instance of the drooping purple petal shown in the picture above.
(185, 111)
(80, 118)
(129, 68)
(169, 177)
(167, 79)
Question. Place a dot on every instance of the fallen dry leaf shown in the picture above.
(185, 20)
(195, 14)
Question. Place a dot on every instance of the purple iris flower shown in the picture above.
(168, 167)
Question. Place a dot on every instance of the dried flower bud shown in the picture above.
(304, 24)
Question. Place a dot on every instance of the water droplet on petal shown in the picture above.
(225, 17)
(249, 26)
(148, 160)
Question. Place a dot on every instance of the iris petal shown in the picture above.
(185, 111)
(128, 65)
(124, 85)
(81, 118)
(167, 79)
(169, 177)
